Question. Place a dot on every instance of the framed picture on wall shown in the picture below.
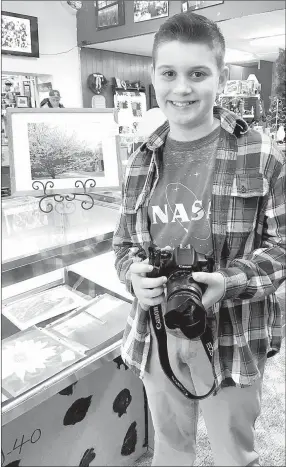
(22, 101)
(19, 35)
(144, 11)
(198, 4)
(109, 13)
(62, 150)
(27, 88)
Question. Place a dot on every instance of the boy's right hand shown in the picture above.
(148, 290)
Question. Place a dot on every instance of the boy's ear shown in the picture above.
(223, 79)
(152, 73)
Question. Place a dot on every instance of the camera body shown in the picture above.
(184, 307)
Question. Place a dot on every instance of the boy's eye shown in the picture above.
(198, 74)
(169, 74)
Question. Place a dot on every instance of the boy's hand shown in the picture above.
(216, 287)
(149, 291)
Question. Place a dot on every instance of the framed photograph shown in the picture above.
(191, 5)
(109, 13)
(96, 326)
(32, 356)
(232, 87)
(45, 87)
(41, 306)
(22, 101)
(146, 10)
(63, 146)
(19, 34)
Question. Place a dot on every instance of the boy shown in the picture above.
(207, 181)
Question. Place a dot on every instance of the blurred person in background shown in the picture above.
(53, 101)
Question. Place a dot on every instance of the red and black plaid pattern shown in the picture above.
(248, 231)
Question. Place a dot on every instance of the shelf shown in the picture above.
(238, 95)
(130, 89)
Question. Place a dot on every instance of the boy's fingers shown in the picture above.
(137, 259)
(152, 282)
(155, 292)
(203, 277)
(139, 268)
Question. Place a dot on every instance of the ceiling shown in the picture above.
(238, 33)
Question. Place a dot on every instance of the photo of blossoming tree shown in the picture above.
(65, 151)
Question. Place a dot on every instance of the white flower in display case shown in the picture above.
(26, 357)
(31, 357)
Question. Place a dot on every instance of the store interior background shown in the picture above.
(125, 51)
(70, 50)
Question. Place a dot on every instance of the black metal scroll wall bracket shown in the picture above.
(65, 200)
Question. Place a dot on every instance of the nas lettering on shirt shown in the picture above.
(179, 209)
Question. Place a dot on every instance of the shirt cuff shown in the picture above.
(235, 282)
(128, 282)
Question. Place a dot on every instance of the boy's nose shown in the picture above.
(182, 86)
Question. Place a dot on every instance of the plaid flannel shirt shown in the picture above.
(248, 232)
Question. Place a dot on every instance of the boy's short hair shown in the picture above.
(190, 27)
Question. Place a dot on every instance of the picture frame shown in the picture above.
(38, 307)
(19, 35)
(147, 10)
(20, 372)
(109, 13)
(86, 140)
(232, 87)
(22, 101)
(193, 5)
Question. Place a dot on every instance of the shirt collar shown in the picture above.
(230, 122)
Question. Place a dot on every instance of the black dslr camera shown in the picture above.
(184, 307)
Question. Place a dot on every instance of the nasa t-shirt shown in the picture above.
(179, 209)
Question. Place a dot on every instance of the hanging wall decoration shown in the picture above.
(144, 11)
(96, 83)
(191, 5)
(19, 34)
(109, 13)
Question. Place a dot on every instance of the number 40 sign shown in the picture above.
(19, 443)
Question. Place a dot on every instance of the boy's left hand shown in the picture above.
(216, 287)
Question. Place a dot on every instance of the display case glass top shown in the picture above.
(59, 321)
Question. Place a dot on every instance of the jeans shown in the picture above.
(229, 416)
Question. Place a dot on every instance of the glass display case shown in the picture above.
(63, 307)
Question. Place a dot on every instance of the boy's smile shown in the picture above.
(186, 80)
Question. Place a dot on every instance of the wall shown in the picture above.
(57, 34)
(112, 64)
(235, 72)
(86, 20)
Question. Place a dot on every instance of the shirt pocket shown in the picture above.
(246, 195)
(243, 214)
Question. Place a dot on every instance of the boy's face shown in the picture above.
(186, 81)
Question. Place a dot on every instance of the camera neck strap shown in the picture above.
(161, 335)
